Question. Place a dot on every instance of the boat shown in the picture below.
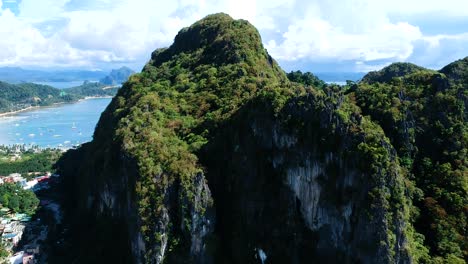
(74, 126)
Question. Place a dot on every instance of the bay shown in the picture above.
(63, 125)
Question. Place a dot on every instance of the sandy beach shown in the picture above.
(18, 111)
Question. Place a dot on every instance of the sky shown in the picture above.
(308, 35)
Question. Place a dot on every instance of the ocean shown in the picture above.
(63, 125)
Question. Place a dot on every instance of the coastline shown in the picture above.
(18, 111)
(29, 108)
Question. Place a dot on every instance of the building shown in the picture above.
(30, 184)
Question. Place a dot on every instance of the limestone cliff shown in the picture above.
(211, 155)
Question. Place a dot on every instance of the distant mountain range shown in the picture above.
(19, 75)
(117, 77)
(24, 94)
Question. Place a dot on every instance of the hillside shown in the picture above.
(424, 115)
(92, 89)
(20, 96)
(457, 72)
(14, 97)
(211, 155)
(394, 70)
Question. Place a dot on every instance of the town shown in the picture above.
(21, 197)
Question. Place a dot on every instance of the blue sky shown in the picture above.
(315, 35)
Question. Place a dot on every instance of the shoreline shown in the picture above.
(18, 111)
(29, 108)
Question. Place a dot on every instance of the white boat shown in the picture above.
(74, 126)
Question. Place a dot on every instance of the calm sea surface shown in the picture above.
(62, 125)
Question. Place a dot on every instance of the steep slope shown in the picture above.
(211, 155)
(424, 114)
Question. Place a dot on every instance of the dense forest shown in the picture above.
(15, 97)
(213, 154)
(424, 114)
(14, 197)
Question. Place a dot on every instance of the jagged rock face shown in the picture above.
(106, 202)
(294, 197)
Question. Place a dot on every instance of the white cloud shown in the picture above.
(359, 30)
(23, 44)
(315, 38)
(105, 31)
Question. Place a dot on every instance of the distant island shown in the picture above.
(117, 77)
(17, 75)
(23, 96)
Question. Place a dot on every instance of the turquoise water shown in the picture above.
(58, 126)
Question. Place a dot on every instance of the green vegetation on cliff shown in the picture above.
(167, 113)
(424, 115)
(216, 104)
